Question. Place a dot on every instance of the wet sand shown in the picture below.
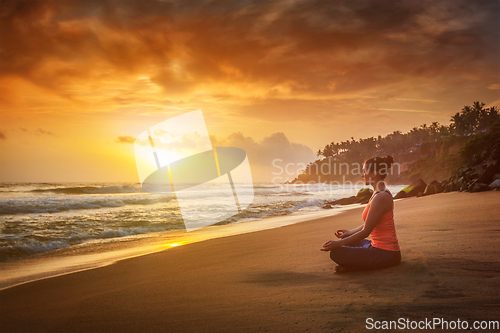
(279, 281)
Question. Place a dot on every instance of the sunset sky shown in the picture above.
(79, 80)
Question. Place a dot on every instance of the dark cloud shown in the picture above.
(308, 47)
(43, 132)
(38, 131)
(3, 136)
(125, 139)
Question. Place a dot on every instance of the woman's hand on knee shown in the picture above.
(330, 246)
(342, 233)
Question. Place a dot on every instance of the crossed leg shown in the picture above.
(362, 256)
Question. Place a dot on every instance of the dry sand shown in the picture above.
(279, 281)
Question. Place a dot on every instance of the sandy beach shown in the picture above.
(278, 280)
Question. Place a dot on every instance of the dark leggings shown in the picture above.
(363, 256)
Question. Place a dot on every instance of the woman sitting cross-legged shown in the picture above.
(353, 251)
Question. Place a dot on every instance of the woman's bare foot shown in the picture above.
(340, 269)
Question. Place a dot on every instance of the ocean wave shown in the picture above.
(111, 189)
(15, 251)
(124, 232)
(19, 250)
(266, 209)
(264, 187)
(287, 194)
(56, 205)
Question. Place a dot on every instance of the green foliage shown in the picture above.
(472, 119)
(440, 167)
(435, 143)
(478, 142)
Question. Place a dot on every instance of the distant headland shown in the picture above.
(463, 156)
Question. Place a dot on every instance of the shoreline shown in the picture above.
(93, 255)
(53, 222)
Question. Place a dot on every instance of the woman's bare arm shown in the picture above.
(343, 233)
(377, 209)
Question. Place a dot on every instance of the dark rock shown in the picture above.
(401, 194)
(363, 201)
(479, 187)
(429, 190)
(433, 188)
(483, 155)
(479, 169)
(471, 174)
(440, 187)
(462, 171)
(415, 187)
(463, 187)
(460, 184)
(361, 197)
(343, 201)
(495, 154)
(492, 167)
(364, 195)
(364, 192)
(471, 185)
(495, 184)
(482, 169)
(443, 184)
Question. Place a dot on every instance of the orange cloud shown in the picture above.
(314, 70)
(125, 139)
(287, 49)
(265, 156)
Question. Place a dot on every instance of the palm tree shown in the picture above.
(458, 123)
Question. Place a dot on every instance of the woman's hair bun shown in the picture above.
(389, 160)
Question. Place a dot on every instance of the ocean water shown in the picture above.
(41, 217)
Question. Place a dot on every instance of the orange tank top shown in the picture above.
(384, 234)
